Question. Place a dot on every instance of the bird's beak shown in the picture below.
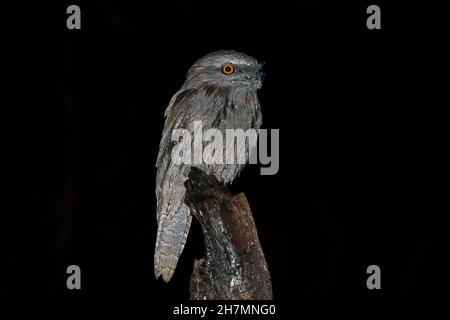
(259, 71)
(261, 65)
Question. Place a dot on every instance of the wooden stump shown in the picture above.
(234, 267)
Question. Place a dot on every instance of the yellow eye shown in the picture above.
(228, 69)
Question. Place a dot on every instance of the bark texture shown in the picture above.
(234, 267)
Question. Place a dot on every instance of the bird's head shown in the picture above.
(230, 69)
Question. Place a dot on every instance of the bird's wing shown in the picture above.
(173, 215)
(180, 114)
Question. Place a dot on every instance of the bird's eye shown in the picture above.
(228, 69)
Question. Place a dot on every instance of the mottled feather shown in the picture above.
(221, 102)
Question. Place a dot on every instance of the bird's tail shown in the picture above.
(170, 241)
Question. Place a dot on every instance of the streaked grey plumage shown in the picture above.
(221, 101)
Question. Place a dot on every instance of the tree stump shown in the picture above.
(234, 267)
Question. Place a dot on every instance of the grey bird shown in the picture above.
(220, 90)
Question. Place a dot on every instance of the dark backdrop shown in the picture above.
(364, 155)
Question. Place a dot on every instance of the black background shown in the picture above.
(364, 155)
